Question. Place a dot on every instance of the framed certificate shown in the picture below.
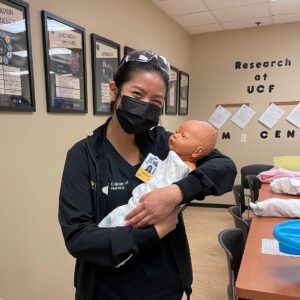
(183, 93)
(172, 96)
(105, 62)
(16, 71)
(127, 50)
(65, 68)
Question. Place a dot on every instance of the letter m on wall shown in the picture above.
(226, 136)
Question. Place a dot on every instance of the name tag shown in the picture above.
(148, 167)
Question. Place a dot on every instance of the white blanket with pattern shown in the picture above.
(170, 170)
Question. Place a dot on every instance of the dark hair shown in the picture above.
(128, 69)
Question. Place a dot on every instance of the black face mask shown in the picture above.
(137, 116)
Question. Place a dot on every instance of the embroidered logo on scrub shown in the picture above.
(105, 190)
(114, 186)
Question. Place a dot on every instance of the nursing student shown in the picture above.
(100, 174)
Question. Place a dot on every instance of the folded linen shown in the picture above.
(286, 186)
(275, 207)
(277, 172)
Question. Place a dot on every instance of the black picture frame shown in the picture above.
(172, 95)
(105, 62)
(127, 50)
(65, 65)
(16, 68)
(183, 103)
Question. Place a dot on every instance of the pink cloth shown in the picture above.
(277, 172)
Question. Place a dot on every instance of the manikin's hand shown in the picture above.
(155, 206)
(168, 224)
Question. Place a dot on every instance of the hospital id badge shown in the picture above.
(148, 167)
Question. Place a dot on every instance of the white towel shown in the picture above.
(275, 207)
(285, 186)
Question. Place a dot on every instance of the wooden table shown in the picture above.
(262, 276)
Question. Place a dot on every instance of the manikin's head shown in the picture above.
(193, 140)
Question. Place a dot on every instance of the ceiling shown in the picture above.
(198, 16)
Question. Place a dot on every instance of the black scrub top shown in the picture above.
(150, 275)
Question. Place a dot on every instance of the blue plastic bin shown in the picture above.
(288, 235)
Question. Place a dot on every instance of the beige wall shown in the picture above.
(215, 81)
(33, 260)
(34, 263)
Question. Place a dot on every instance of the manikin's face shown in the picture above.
(184, 141)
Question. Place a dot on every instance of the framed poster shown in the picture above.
(65, 68)
(16, 71)
(183, 93)
(105, 62)
(172, 96)
(127, 50)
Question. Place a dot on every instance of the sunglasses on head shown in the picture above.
(146, 56)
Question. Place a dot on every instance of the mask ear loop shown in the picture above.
(113, 106)
(160, 121)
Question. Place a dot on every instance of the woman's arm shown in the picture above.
(214, 175)
(77, 217)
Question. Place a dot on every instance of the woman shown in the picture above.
(99, 175)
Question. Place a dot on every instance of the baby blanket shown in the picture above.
(275, 207)
(286, 186)
(277, 172)
(170, 170)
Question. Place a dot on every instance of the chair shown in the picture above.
(254, 186)
(233, 244)
(239, 221)
(254, 169)
(239, 196)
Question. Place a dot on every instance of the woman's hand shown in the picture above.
(155, 206)
(168, 224)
